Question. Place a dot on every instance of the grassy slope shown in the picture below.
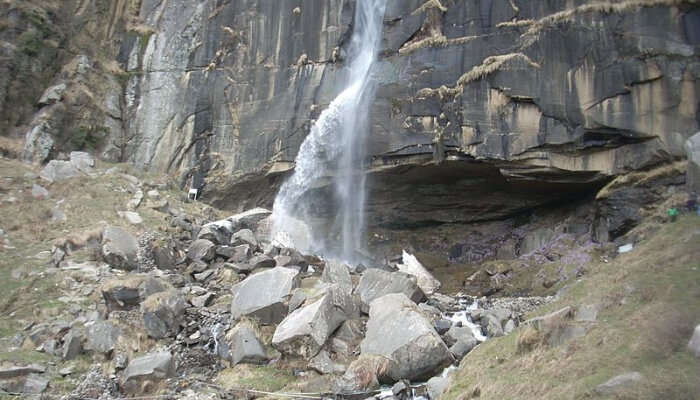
(651, 302)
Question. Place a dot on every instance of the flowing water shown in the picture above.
(335, 148)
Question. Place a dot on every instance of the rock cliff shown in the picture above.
(523, 103)
(557, 94)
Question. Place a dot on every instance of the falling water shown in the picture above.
(335, 148)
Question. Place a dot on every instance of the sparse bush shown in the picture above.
(88, 137)
(528, 339)
(669, 333)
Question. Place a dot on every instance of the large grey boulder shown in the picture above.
(264, 295)
(72, 344)
(426, 280)
(218, 232)
(457, 333)
(436, 386)
(305, 331)
(336, 272)
(102, 337)
(261, 261)
(398, 331)
(694, 343)
(244, 236)
(244, 345)
(35, 384)
(163, 312)
(376, 283)
(82, 161)
(57, 170)
(240, 253)
(324, 364)
(18, 371)
(692, 151)
(201, 250)
(249, 219)
(119, 248)
(152, 367)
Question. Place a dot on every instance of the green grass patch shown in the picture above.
(256, 377)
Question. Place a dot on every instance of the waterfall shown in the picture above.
(336, 149)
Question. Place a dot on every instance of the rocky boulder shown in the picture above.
(82, 161)
(127, 293)
(201, 250)
(244, 236)
(264, 295)
(119, 248)
(163, 312)
(336, 272)
(398, 331)
(146, 371)
(436, 386)
(305, 331)
(218, 232)
(376, 283)
(57, 170)
(244, 345)
(102, 337)
(249, 219)
(426, 280)
(261, 261)
(240, 254)
(165, 254)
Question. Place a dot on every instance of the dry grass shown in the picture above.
(643, 177)
(518, 23)
(487, 67)
(607, 7)
(650, 298)
(12, 148)
(528, 339)
(428, 5)
(434, 42)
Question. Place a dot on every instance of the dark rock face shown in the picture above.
(525, 92)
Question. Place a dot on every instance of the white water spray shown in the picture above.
(335, 148)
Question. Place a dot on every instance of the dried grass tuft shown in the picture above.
(487, 67)
(430, 4)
